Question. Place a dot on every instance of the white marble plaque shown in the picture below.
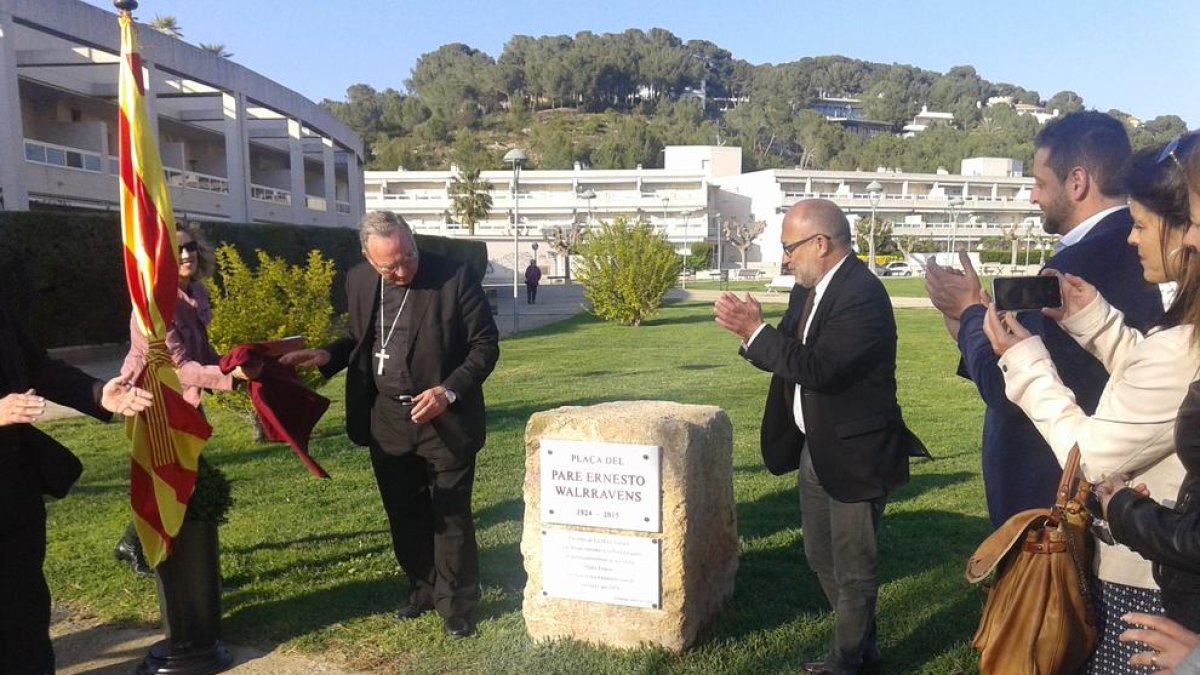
(612, 569)
(615, 485)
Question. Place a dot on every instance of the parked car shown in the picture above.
(897, 269)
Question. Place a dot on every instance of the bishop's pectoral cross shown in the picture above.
(382, 356)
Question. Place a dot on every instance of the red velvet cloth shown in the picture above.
(286, 407)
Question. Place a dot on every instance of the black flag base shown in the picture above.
(189, 599)
(164, 659)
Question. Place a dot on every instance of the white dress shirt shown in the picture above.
(817, 291)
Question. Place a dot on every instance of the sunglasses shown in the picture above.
(1171, 150)
(191, 247)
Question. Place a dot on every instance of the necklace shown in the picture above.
(382, 354)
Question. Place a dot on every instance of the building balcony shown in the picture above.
(270, 195)
(50, 154)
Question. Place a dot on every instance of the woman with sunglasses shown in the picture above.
(187, 341)
(1130, 431)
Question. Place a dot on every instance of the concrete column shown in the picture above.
(237, 156)
(296, 161)
(354, 178)
(13, 189)
(150, 87)
(329, 173)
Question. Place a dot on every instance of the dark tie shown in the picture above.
(805, 312)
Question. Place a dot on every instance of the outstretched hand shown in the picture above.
(740, 317)
(122, 398)
(306, 358)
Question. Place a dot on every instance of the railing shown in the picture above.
(943, 199)
(343, 207)
(263, 193)
(63, 156)
(192, 180)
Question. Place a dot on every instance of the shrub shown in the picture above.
(626, 269)
(274, 301)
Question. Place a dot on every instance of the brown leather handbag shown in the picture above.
(1039, 618)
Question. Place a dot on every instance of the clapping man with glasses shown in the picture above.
(831, 413)
(420, 342)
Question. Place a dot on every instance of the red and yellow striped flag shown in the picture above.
(167, 437)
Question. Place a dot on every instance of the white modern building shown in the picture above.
(675, 199)
(236, 146)
(701, 189)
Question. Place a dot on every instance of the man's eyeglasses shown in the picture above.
(1171, 150)
(191, 247)
(789, 248)
(388, 270)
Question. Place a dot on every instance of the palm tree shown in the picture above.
(215, 48)
(166, 23)
(472, 199)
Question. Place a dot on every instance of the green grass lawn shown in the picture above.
(307, 564)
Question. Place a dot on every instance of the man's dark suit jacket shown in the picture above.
(1019, 470)
(855, 432)
(453, 342)
(24, 450)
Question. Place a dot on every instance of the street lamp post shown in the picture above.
(955, 204)
(874, 190)
(587, 196)
(516, 157)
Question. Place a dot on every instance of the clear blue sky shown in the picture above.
(1142, 57)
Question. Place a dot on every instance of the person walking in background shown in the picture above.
(419, 344)
(1078, 171)
(33, 464)
(193, 355)
(831, 413)
(533, 275)
(1131, 430)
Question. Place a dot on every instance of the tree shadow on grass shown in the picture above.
(678, 320)
(257, 615)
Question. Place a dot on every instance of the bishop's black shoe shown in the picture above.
(458, 627)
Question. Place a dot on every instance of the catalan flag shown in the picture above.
(167, 437)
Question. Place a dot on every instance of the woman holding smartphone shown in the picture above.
(1131, 432)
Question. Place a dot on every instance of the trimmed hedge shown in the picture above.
(64, 271)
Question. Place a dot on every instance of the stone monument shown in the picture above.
(630, 532)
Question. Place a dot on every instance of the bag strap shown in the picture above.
(1064, 487)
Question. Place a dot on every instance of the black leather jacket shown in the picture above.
(1170, 538)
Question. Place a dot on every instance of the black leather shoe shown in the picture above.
(458, 627)
(129, 554)
(408, 612)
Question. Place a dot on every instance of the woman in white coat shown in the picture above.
(1132, 430)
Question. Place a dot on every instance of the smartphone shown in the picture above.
(1013, 294)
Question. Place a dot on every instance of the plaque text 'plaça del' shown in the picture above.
(615, 485)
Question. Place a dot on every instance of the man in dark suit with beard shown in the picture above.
(420, 342)
(1078, 173)
(831, 412)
